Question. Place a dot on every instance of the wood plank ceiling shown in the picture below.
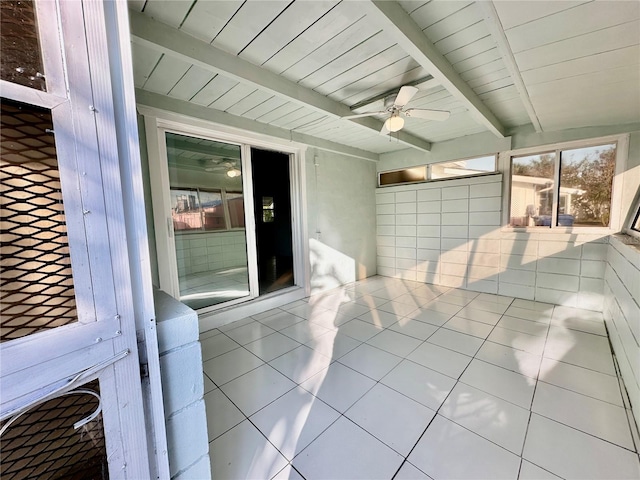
(556, 64)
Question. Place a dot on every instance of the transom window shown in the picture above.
(439, 171)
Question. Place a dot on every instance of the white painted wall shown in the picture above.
(622, 311)
(341, 218)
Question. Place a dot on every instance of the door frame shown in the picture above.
(156, 123)
(101, 188)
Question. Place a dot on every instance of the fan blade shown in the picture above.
(439, 115)
(383, 130)
(405, 94)
(369, 114)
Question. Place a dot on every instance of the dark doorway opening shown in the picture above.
(272, 207)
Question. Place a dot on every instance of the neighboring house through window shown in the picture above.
(563, 188)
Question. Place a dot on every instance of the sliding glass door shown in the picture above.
(207, 204)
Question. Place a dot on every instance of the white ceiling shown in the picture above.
(554, 64)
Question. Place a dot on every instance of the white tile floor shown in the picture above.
(396, 379)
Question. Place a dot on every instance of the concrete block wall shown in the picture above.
(210, 251)
(622, 311)
(449, 233)
(182, 389)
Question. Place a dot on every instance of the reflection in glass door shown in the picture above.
(207, 212)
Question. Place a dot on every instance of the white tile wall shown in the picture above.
(455, 238)
(202, 252)
(622, 312)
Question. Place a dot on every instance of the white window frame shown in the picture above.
(634, 215)
(159, 122)
(615, 223)
(90, 144)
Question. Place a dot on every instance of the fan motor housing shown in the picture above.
(389, 102)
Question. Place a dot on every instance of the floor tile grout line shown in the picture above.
(243, 374)
(436, 414)
(247, 418)
(582, 394)
(633, 426)
(487, 439)
(522, 460)
(405, 358)
(457, 380)
(526, 432)
(578, 366)
(584, 432)
(427, 428)
(552, 419)
(366, 392)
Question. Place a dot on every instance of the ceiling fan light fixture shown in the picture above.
(234, 172)
(394, 123)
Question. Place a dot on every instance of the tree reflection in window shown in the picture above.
(586, 177)
(582, 196)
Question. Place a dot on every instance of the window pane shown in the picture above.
(460, 168)
(212, 210)
(408, 175)
(36, 284)
(268, 210)
(21, 59)
(532, 190)
(185, 210)
(586, 177)
(211, 252)
(235, 203)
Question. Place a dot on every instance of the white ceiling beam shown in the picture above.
(397, 23)
(227, 120)
(497, 33)
(173, 42)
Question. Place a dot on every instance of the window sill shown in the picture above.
(630, 239)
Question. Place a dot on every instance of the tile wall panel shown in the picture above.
(449, 233)
(622, 311)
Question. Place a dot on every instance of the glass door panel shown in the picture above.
(207, 212)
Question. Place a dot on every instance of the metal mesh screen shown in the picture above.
(36, 286)
(43, 444)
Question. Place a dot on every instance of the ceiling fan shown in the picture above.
(394, 105)
(228, 165)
